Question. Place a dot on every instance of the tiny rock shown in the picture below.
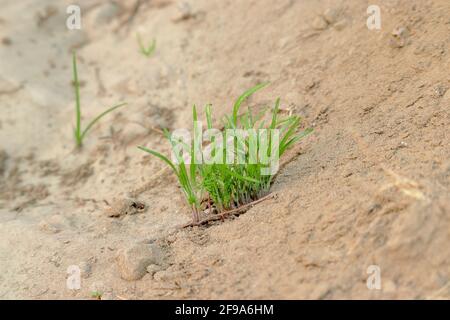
(331, 15)
(134, 260)
(399, 37)
(319, 23)
(184, 12)
(52, 225)
(6, 41)
(439, 91)
(122, 207)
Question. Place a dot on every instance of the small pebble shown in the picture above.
(6, 41)
(319, 23)
(331, 15)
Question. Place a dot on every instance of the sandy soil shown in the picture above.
(369, 187)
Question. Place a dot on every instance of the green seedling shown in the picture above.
(97, 295)
(146, 50)
(186, 176)
(225, 186)
(78, 132)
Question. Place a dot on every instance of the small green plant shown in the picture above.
(146, 50)
(79, 133)
(97, 295)
(227, 185)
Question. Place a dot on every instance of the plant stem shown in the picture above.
(222, 215)
(77, 101)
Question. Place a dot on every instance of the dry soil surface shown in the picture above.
(369, 187)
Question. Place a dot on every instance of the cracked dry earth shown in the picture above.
(370, 186)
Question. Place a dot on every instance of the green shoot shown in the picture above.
(97, 295)
(146, 50)
(222, 186)
(79, 133)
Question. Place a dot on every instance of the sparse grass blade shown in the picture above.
(160, 156)
(78, 132)
(243, 178)
(146, 50)
(76, 85)
(208, 116)
(101, 115)
(242, 98)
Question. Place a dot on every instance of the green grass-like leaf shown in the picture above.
(78, 132)
(146, 50)
(226, 186)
